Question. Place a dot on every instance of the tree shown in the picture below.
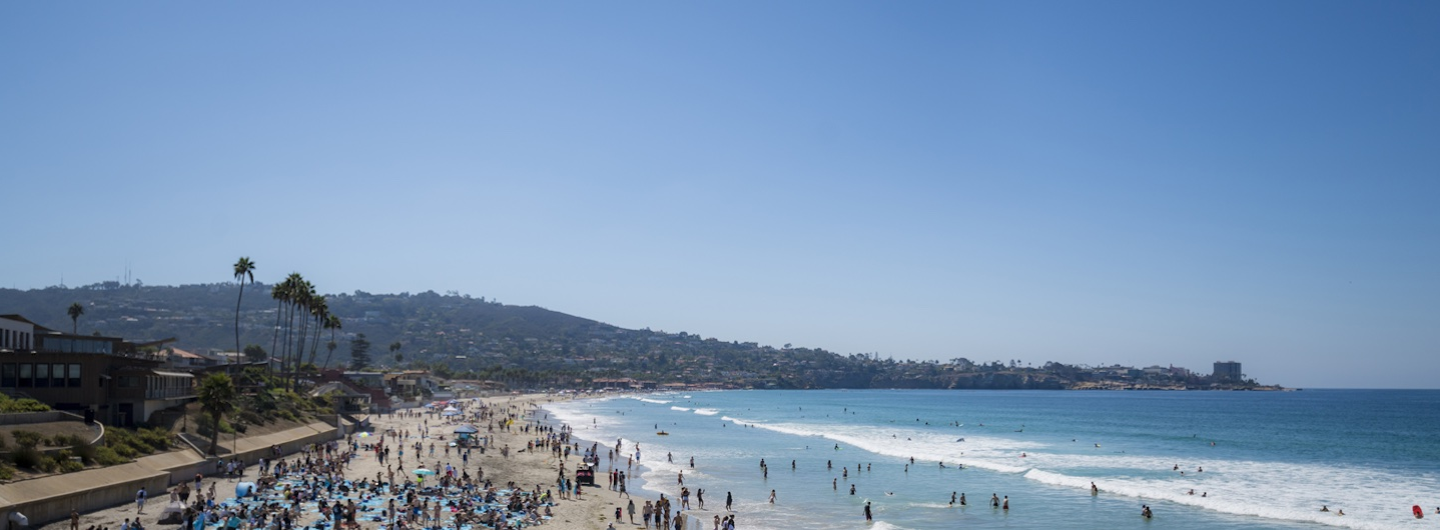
(359, 352)
(75, 311)
(244, 269)
(217, 398)
(395, 349)
(332, 323)
(256, 353)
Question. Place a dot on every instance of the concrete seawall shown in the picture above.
(52, 498)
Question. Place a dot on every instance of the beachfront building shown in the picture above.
(107, 376)
(1227, 372)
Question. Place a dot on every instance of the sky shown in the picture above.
(1081, 182)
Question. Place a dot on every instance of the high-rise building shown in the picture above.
(1227, 371)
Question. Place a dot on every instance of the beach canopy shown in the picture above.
(466, 429)
(450, 411)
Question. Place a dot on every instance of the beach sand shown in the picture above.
(594, 510)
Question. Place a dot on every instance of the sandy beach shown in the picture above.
(527, 468)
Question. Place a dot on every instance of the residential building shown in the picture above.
(108, 376)
(1227, 372)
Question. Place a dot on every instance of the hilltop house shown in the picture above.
(105, 376)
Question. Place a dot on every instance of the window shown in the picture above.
(42, 375)
(74, 376)
(57, 375)
(7, 375)
(25, 374)
(128, 381)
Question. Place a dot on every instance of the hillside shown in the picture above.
(525, 345)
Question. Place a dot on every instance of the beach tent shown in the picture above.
(467, 429)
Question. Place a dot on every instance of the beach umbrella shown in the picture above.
(364, 435)
(466, 429)
(244, 489)
(450, 411)
(422, 471)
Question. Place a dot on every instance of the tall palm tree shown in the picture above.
(278, 293)
(320, 313)
(75, 311)
(293, 284)
(244, 269)
(395, 349)
(332, 323)
(217, 398)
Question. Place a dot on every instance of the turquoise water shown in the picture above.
(1270, 460)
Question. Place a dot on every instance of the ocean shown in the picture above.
(1252, 459)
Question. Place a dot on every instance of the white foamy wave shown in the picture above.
(707, 412)
(882, 525)
(648, 400)
(1370, 500)
(681, 409)
(929, 505)
(995, 454)
(738, 421)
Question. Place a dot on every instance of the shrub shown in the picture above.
(157, 438)
(71, 466)
(2, 442)
(27, 457)
(107, 456)
(27, 439)
(125, 450)
(7, 405)
(63, 440)
(47, 464)
(6, 472)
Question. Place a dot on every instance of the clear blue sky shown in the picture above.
(1083, 182)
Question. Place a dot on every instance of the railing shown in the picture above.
(169, 393)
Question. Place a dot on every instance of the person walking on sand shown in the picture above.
(630, 508)
(74, 520)
(140, 500)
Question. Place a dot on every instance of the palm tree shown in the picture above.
(277, 292)
(395, 349)
(332, 323)
(244, 269)
(320, 312)
(217, 398)
(75, 311)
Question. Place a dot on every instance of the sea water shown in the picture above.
(1269, 459)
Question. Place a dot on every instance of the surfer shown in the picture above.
(1094, 490)
(1324, 508)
